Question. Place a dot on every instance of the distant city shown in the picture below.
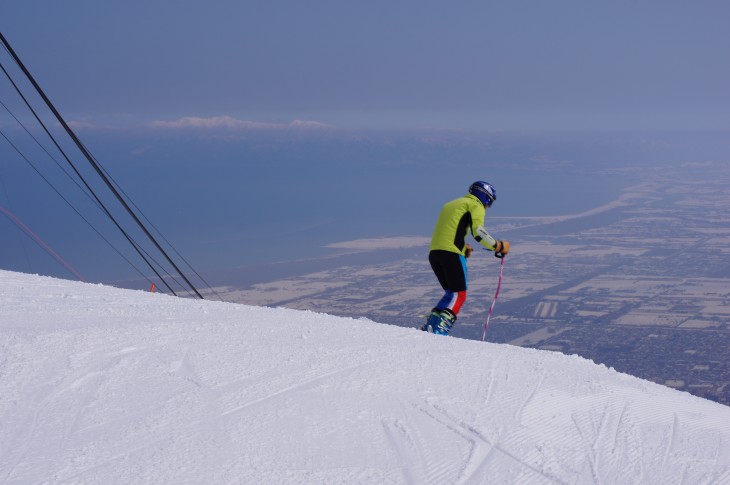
(641, 284)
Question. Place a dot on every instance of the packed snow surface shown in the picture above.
(102, 385)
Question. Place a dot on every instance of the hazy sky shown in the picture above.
(241, 67)
(459, 64)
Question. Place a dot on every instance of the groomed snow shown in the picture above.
(109, 386)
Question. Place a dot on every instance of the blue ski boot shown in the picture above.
(439, 322)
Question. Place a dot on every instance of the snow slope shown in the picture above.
(101, 385)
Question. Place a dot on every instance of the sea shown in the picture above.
(224, 201)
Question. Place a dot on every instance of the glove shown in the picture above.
(468, 251)
(501, 249)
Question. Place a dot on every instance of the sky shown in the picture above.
(102, 385)
(201, 109)
(568, 64)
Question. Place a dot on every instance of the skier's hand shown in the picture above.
(468, 251)
(501, 249)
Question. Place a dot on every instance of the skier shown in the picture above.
(448, 251)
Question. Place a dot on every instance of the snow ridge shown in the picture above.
(102, 385)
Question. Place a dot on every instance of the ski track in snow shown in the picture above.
(100, 385)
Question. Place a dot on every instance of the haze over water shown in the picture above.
(226, 202)
(252, 133)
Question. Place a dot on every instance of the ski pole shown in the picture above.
(496, 294)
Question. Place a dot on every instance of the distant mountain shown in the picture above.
(103, 385)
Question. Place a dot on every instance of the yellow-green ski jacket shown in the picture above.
(456, 220)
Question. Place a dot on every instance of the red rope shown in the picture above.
(40, 242)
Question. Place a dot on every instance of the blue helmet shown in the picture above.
(484, 191)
